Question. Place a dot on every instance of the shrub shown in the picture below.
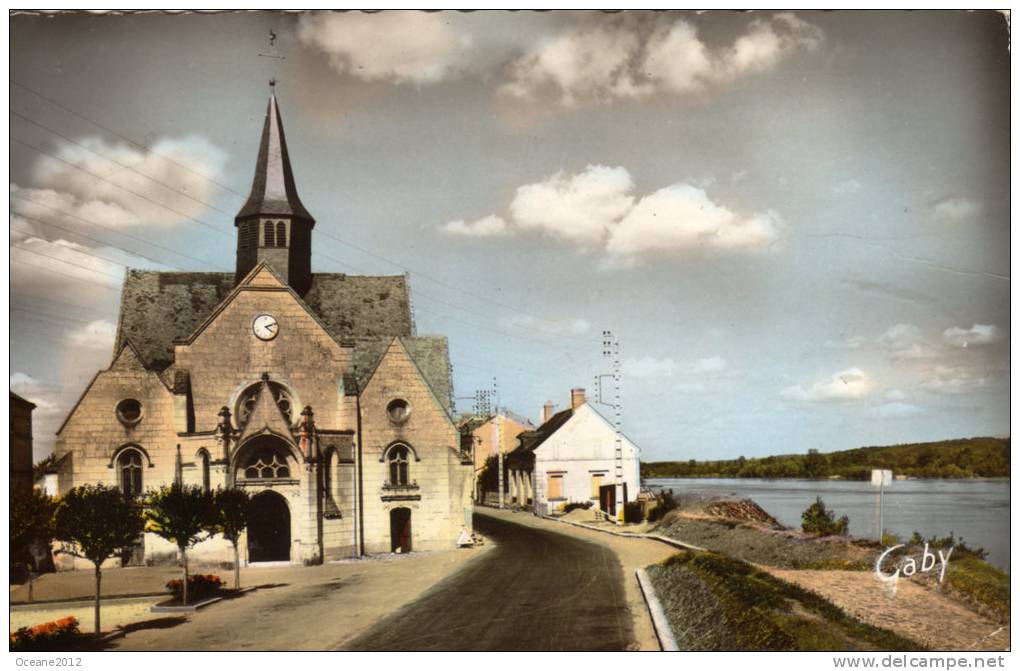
(199, 586)
(818, 519)
(664, 503)
(633, 512)
(577, 505)
(53, 636)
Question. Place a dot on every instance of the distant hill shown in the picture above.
(961, 458)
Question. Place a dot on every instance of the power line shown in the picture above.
(109, 228)
(123, 188)
(123, 137)
(116, 162)
(57, 272)
(77, 265)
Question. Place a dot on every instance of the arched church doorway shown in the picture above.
(400, 530)
(268, 528)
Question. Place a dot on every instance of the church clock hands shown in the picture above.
(265, 327)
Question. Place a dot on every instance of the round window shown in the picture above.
(398, 410)
(129, 411)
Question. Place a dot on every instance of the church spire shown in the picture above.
(273, 225)
(273, 191)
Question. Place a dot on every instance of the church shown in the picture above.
(312, 391)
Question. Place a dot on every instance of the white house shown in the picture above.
(569, 457)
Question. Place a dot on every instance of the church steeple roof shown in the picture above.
(272, 191)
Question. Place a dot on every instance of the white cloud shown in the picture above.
(484, 227)
(905, 341)
(98, 334)
(579, 207)
(954, 380)
(172, 182)
(554, 327)
(848, 385)
(896, 395)
(596, 209)
(979, 334)
(392, 46)
(894, 409)
(712, 364)
(625, 59)
(847, 187)
(682, 216)
(956, 208)
(850, 342)
(651, 367)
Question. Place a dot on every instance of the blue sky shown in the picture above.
(797, 224)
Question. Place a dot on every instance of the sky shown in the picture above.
(795, 224)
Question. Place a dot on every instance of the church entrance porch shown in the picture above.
(269, 528)
(400, 530)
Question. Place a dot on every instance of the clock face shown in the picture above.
(265, 327)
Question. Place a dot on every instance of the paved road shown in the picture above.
(536, 590)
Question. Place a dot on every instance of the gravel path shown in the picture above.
(914, 612)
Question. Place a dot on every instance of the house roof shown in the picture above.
(530, 440)
(22, 400)
(273, 191)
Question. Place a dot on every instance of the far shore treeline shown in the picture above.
(961, 458)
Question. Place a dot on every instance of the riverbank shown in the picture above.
(763, 587)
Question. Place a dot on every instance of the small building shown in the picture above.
(21, 444)
(487, 435)
(570, 457)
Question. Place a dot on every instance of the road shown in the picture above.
(536, 590)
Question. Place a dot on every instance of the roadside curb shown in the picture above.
(654, 537)
(185, 609)
(659, 622)
(60, 603)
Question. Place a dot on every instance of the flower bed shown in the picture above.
(199, 587)
(58, 635)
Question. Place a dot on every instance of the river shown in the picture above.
(976, 510)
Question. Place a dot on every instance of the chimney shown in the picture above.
(576, 398)
(547, 411)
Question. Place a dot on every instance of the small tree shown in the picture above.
(181, 514)
(231, 506)
(818, 519)
(31, 525)
(96, 522)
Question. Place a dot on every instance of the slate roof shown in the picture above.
(532, 439)
(158, 308)
(273, 191)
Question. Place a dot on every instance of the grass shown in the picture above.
(716, 602)
(980, 583)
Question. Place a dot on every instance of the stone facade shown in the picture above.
(21, 444)
(336, 420)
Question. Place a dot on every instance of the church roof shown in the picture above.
(158, 308)
(273, 191)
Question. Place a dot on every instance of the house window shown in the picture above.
(597, 479)
(269, 237)
(555, 487)
(281, 234)
(129, 472)
(397, 461)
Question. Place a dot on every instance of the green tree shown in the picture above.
(182, 514)
(96, 522)
(815, 464)
(231, 508)
(818, 519)
(31, 525)
(488, 479)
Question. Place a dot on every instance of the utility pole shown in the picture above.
(611, 350)
(499, 439)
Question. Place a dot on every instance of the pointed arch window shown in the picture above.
(397, 465)
(206, 484)
(269, 236)
(129, 472)
(281, 234)
(266, 464)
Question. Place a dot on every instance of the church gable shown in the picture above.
(265, 417)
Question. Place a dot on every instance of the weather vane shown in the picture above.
(272, 47)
